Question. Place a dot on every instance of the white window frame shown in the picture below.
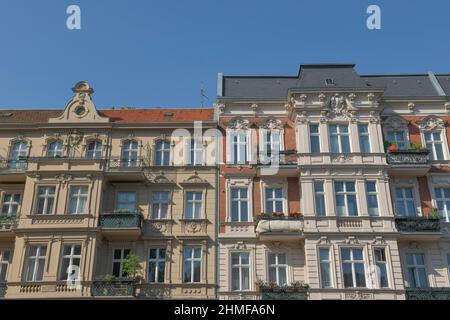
(372, 193)
(160, 203)
(352, 261)
(239, 200)
(277, 266)
(38, 258)
(405, 136)
(11, 203)
(274, 199)
(339, 136)
(437, 198)
(365, 135)
(4, 263)
(57, 152)
(126, 158)
(195, 152)
(415, 199)
(386, 264)
(46, 197)
(442, 142)
(120, 260)
(242, 142)
(311, 134)
(239, 183)
(416, 267)
(191, 260)
(78, 198)
(20, 152)
(118, 202)
(346, 193)
(71, 256)
(195, 203)
(320, 194)
(330, 261)
(96, 152)
(162, 147)
(240, 266)
(157, 261)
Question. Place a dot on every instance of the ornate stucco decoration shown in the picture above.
(272, 124)
(431, 123)
(300, 98)
(411, 106)
(195, 181)
(240, 245)
(239, 124)
(64, 178)
(221, 107)
(159, 180)
(342, 158)
(358, 295)
(323, 240)
(351, 240)
(396, 123)
(339, 106)
(447, 106)
(254, 108)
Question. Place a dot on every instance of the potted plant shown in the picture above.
(434, 214)
(132, 267)
(277, 214)
(295, 215)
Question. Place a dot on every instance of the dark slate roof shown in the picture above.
(343, 75)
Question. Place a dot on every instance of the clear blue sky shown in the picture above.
(149, 53)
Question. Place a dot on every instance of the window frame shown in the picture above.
(346, 193)
(127, 202)
(127, 158)
(415, 199)
(446, 200)
(416, 267)
(160, 202)
(162, 147)
(443, 143)
(4, 263)
(70, 198)
(316, 136)
(240, 267)
(120, 260)
(157, 261)
(38, 258)
(96, 153)
(364, 135)
(321, 194)
(339, 136)
(373, 194)
(57, 152)
(192, 260)
(239, 200)
(277, 267)
(194, 203)
(11, 203)
(352, 262)
(71, 257)
(386, 263)
(37, 197)
(274, 199)
(330, 261)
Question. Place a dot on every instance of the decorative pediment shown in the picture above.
(431, 123)
(396, 123)
(195, 180)
(272, 124)
(158, 179)
(80, 108)
(239, 124)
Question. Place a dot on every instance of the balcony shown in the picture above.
(3, 288)
(277, 226)
(294, 291)
(12, 171)
(418, 225)
(113, 288)
(428, 294)
(121, 224)
(408, 162)
(283, 164)
(7, 223)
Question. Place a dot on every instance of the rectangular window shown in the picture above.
(46, 200)
(10, 206)
(119, 257)
(239, 147)
(398, 138)
(339, 138)
(192, 264)
(325, 268)
(78, 200)
(160, 204)
(35, 263)
(193, 205)
(70, 262)
(196, 152)
(162, 153)
(372, 198)
(381, 263)
(319, 195)
(434, 143)
(345, 199)
(353, 268)
(4, 262)
(240, 271)
(404, 202)
(239, 204)
(271, 142)
(274, 200)
(314, 138)
(443, 203)
(126, 201)
(156, 265)
(94, 150)
(278, 268)
(417, 272)
(364, 140)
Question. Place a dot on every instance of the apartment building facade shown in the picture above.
(81, 189)
(335, 186)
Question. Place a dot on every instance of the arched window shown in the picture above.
(162, 151)
(130, 154)
(55, 149)
(94, 150)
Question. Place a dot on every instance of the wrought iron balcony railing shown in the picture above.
(7, 222)
(13, 165)
(120, 220)
(428, 294)
(296, 291)
(3, 288)
(126, 164)
(417, 224)
(113, 288)
(407, 157)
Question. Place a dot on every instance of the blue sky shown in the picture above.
(148, 53)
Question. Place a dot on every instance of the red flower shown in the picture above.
(392, 148)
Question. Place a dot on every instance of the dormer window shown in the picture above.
(329, 82)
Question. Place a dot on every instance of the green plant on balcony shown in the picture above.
(390, 146)
(132, 267)
(278, 216)
(434, 214)
(295, 286)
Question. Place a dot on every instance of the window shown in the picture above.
(271, 142)
(417, 273)
(364, 141)
(10, 206)
(195, 152)
(4, 261)
(162, 152)
(274, 200)
(433, 142)
(46, 200)
(372, 199)
(192, 264)
(130, 154)
(94, 150)
(399, 138)
(325, 268)
(55, 149)
(160, 204)
(319, 196)
(239, 204)
(381, 263)
(346, 199)
(443, 202)
(448, 263)
(70, 262)
(156, 265)
(126, 201)
(120, 255)
(239, 147)
(339, 138)
(240, 271)
(278, 268)
(353, 268)
(78, 200)
(404, 201)
(193, 205)
(35, 263)
(314, 137)
(19, 152)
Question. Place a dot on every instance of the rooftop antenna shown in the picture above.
(203, 96)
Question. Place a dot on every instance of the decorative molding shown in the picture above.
(272, 124)
(240, 245)
(239, 124)
(396, 123)
(431, 122)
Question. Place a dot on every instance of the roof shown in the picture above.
(116, 116)
(343, 76)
